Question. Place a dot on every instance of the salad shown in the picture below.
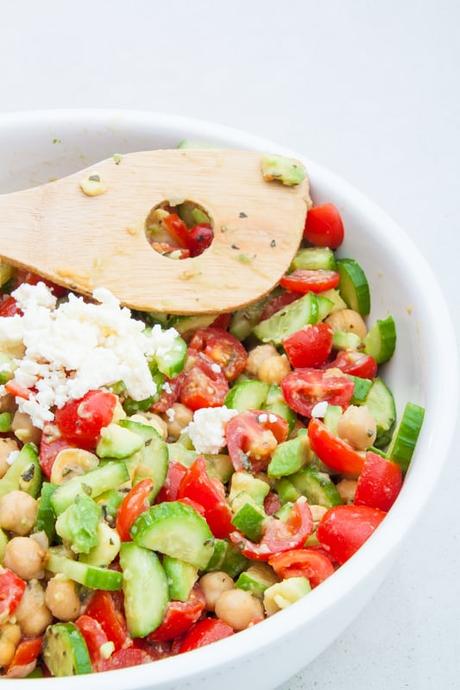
(168, 481)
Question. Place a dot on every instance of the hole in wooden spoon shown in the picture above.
(179, 230)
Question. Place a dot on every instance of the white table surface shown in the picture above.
(368, 88)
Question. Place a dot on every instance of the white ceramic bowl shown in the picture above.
(423, 370)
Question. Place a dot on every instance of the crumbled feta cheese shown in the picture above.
(216, 368)
(78, 346)
(207, 429)
(319, 409)
(171, 414)
(12, 457)
(272, 418)
(262, 418)
(166, 387)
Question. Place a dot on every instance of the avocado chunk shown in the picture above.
(243, 482)
(24, 474)
(287, 493)
(288, 171)
(77, 525)
(276, 403)
(118, 442)
(289, 456)
(249, 520)
(317, 486)
(257, 579)
(282, 594)
(226, 557)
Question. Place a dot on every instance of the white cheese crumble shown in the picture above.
(12, 457)
(207, 429)
(216, 368)
(262, 418)
(78, 346)
(171, 414)
(166, 387)
(320, 409)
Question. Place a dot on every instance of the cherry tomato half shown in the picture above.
(170, 489)
(379, 483)
(303, 388)
(279, 535)
(178, 230)
(333, 451)
(309, 563)
(179, 617)
(204, 632)
(209, 493)
(200, 238)
(134, 504)
(202, 386)
(309, 347)
(344, 529)
(102, 607)
(11, 590)
(94, 636)
(324, 226)
(50, 445)
(277, 303)
(25, 658)
(304, 280)
(223, 348)
(169, 394)
(355, 363)
(252, 437)
(81, 421)
(9, 306)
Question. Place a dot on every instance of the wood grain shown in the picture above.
(86, 242)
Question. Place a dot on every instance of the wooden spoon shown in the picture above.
(85, 242)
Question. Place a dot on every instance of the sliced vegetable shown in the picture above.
(108, 476)
(204, 632)
(344, 529)
(90, 576)
(222, 348)
(333, 451)
(354, 288)
(309, 347)
(65, 652)
(304, 388)
(134, 504)
(80, 421)
(324, 226)
(12, 588)
(309, 563)
(405, 437)
(252, 437)
(314, 258)
(380, 342)
(379, 482)
(288, 320)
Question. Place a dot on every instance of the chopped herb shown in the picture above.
(244, 259)
(273, 243)
(224, 228)
(235, 246)
(94, 178)
(243, 214)
(57, 141)
(117, 158)
(28, 473)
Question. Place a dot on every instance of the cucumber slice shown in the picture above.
(333, 296)
(257, 579)
(249, 520)
(110, 501)
(24, 474)
(90, 576)
(5, 422)
(181, 578)
(94, 483)
(46, 517)
(361, 389)
(244, 320)
(176, 530)
(192, 144)
(381, 405)
(145, 431)
(342, 340)
(150, 463)
(226, 557)
(118, 442)
(172, 362)
(286, 491)
(404, 439)
(288, 320)
(187, 324)
(354, 288)
(247, 395)
(317, 487)
(314, 258)
(65, 652)
(325, 307)
(276, 403)
(145, 589)
(331, 418)
(380, 342)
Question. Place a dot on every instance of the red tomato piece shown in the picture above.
(309, 347)
(333, 451)
(209, 493)
(93, 634)
(279, 535)
(344, 529)
(304, 280)
(102, 608)
(9, 306)
(50, 445)
(200, 238)
(169, 395)
(272, 503)
(379, 483)
(178, 230)
(170, 489)
(356, 364)
(223, 348)
(222, 322)
(26, 653)
(134, 504)
(303, 388)
(80, 421)
(309, 563)
(179, 617)
(124, 658)
(277, 303)
(202, 386)
(11, 590)
(33, 279)
(204, 632)
(324, 226)
(252, 436)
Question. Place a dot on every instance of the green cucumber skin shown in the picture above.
(145, 589)
(76, 659)
(172, 363)
(153, 463)
(314, 258)
(181, 578)
(244, 320)
(98, 481)
(317, 487)
(380, 342)
(247, 395)
(361, 389)
(226, 557)
(275, 403)
(405, 437)
(354, 288)
(90, 576)
(46, 517)
(288, 320)
(380, 403)
(17, 476)
(287, 493)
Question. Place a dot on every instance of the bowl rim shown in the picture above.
(442, 350)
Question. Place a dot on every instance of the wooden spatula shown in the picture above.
(85, 242)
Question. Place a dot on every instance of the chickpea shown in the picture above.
(257, 356)
(7, 403)
(7, 446)
(274, 369)
(25, 557)
(347, 489)
(153, 420)
(32, 614)
(317, 512)
(358, 427)
(9, 639)
(239, 609)
(263, 445)
(18, 512)
(62, 599)
(24, 430)
(349, 321)
(213, 585)
(179, 417)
